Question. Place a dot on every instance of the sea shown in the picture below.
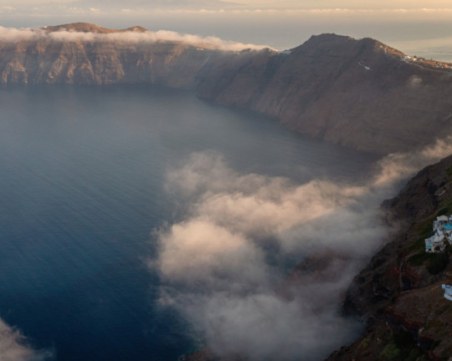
(83, 173)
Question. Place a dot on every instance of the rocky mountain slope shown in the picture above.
(358, 93)
(399, 293)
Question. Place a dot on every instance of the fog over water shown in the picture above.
(141, 224)
(224, 264)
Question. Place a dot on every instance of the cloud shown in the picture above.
(344, 4)
(13, 34)
(248, 4)
(40, 2)
(395, 168)
(13, 346)
(229, 265)
(207, 249)
(224, 265)
(210, 42)
(263, 326)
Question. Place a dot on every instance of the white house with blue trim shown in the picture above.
(447, 292)
(442, 227)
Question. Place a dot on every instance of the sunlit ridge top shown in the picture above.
(82, 27)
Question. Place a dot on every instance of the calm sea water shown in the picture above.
(82, 188)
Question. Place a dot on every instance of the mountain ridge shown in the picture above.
(357, 93)
(83, 27)
(360, 94)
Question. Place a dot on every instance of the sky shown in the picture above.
(422, 28)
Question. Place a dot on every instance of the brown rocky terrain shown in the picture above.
(358, 93)
(399, 293)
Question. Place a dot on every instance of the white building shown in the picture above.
(442, 227)
(447, 292)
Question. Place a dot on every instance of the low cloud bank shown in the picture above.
(229, 264)
(210, 42)
(13, 346)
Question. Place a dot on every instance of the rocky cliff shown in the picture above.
(358, 93)
(399, 293)
(87, 54)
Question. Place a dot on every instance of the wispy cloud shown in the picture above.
(105, 9)
(13, 346)
(210, 42)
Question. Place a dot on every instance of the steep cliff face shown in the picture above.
(82, 54)
(399, 292)
(77, 62)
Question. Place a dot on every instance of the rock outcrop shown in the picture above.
(399, 293)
